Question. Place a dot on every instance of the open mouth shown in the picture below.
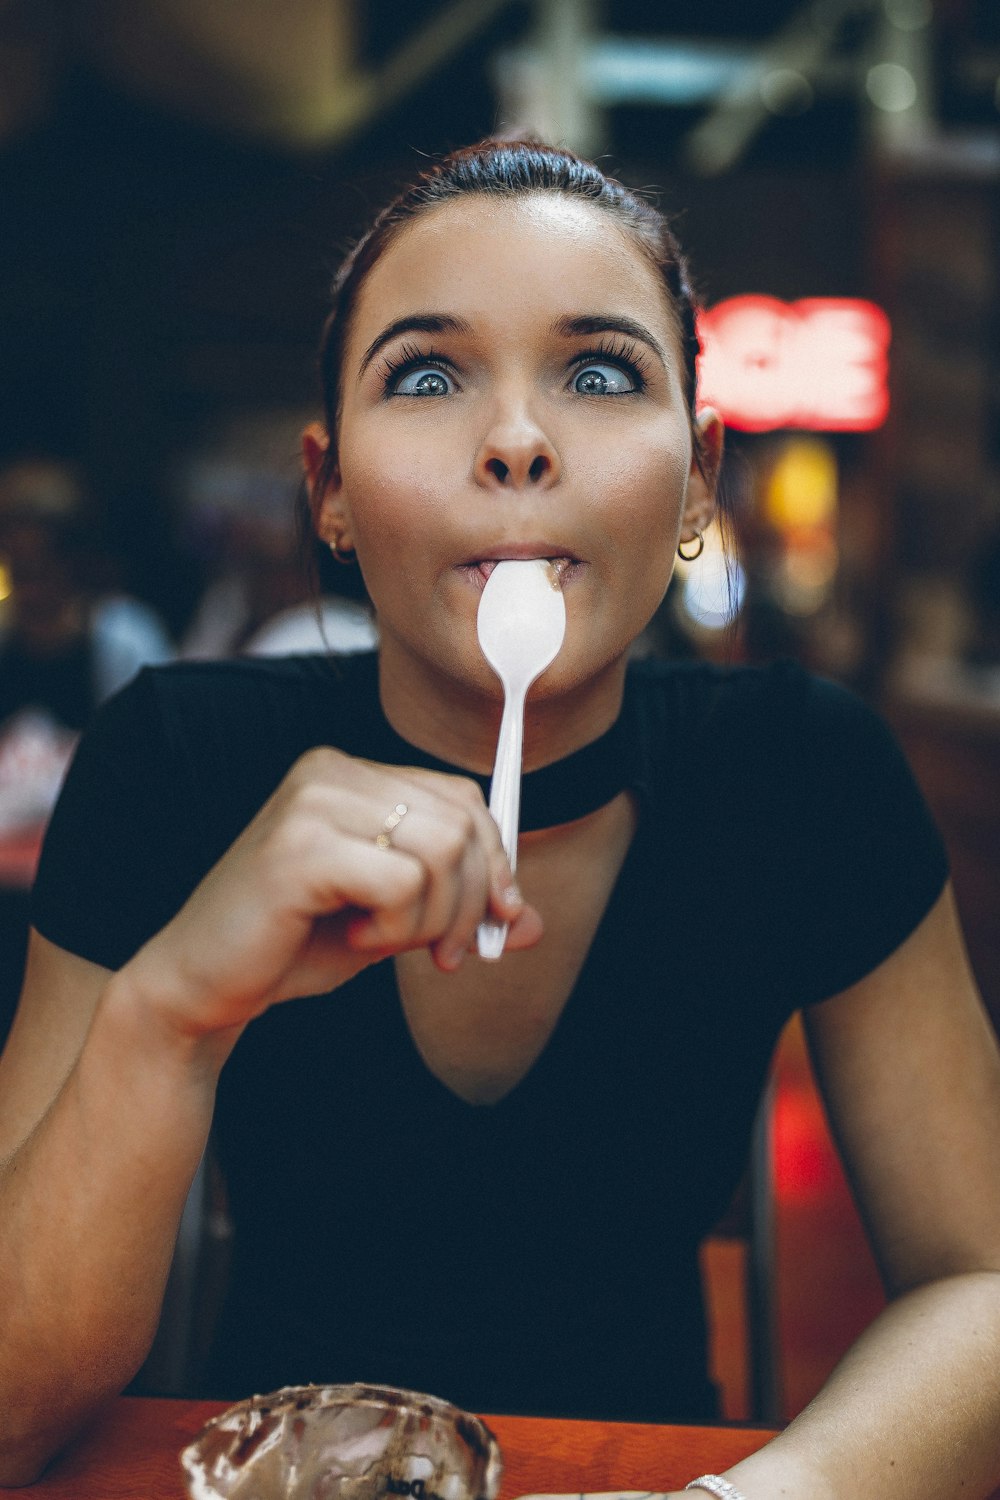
(565, 567)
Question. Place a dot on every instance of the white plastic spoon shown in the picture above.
(521, 624)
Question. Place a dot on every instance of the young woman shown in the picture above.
(260, 892)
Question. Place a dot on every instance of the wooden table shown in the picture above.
(131, 1454)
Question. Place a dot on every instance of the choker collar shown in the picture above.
(567, 789)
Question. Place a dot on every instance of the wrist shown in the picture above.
(778, 1468)
(140, 1005)
(715, 1485)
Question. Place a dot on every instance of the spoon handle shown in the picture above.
(505, 808)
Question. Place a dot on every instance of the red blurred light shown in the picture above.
(819, 364)
(804, 1162)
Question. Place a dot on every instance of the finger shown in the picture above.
(465, 793)
(344, 871)
(444, 842)
(473, 901)
(443, 824)
(504, 892)
(368, 805)
(451, 832)
(525, 929)
(504, 896)
(504, 902)
(487, 884)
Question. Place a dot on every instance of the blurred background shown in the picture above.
(178, 182)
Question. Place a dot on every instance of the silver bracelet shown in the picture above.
(714, 1484)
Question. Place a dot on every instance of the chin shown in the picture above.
(578, 671)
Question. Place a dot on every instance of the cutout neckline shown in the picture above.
(568, 789)
(575, 999)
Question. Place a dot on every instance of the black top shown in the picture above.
(538, 1254)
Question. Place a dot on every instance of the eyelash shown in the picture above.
(394, 367)
(618, 352)
(615, 351)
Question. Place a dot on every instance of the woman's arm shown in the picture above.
(108, 1083)
(103, 1119)
(909, 1068)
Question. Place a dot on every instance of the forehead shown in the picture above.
(538, 255)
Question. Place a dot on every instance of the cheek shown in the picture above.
(648, 485)
(387, 496)
(668, 465)
(642, 526)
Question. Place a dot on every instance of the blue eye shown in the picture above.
(417, 372)
(423, 380)
(599, 379)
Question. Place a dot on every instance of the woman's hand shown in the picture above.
(306, 897)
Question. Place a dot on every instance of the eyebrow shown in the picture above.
(607, 323)
(414, 323)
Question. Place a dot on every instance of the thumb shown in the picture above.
(525, 930)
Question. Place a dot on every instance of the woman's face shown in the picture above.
(513, 387)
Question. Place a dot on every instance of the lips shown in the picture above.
(478, 570)
(565, 563)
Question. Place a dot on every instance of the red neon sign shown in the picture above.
(821, 363)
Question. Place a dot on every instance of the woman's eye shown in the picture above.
(603, 380)
(427, 381)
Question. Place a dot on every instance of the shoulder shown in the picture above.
(792, 803)
(254, 694)
(739, 711)
(703, 689)
(241, 677)
(240, 722)
(775, 746)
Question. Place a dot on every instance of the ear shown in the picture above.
(323, 486)
(699, 503)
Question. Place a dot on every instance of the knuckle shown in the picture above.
(295, 839)
(453, 840)
(311, 785)
(456, 790)
(309, 809)
(414, 881)
(471, 793)
(320, 762)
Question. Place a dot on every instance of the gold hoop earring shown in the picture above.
(699, 546)
(345, 556)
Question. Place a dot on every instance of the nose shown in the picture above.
(516, 453)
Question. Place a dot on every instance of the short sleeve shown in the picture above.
(116, 862)
(861, 861)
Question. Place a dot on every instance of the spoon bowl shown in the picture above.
(521, 624)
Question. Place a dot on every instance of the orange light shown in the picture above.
(819, 364)
(800, 492)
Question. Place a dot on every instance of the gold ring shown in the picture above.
(393, 819)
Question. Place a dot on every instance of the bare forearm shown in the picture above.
(89, 1209)
(912, 1411)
